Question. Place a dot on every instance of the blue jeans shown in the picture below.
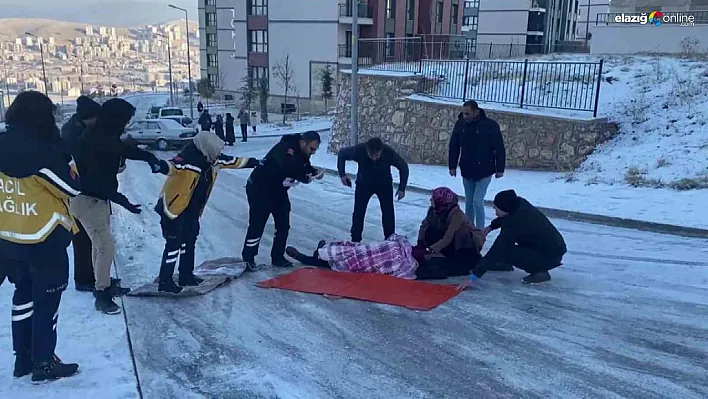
(474, 199)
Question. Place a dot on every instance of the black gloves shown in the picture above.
(123, 201)
(160, 167)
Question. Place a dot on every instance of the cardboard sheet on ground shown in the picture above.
(370, 287)
(215, 273)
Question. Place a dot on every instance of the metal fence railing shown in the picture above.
(345, 10)
(459, 70)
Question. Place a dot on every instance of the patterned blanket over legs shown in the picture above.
(393, 257)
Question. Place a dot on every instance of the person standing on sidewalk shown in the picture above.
(98, 159)
(219, 127)
(373, 178)
(86, 115)
(477, 146)
(36, 182)
(230, 133)
(244, 119)
(286, 165)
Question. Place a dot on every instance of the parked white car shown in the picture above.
(184, 121)
(160, 133)
(157, 112)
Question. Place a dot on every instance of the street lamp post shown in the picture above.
(169, 67)
(41, 55)
(189, 60)
(354, 131)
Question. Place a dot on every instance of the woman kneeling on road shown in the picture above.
(448, 245)
(192, 174)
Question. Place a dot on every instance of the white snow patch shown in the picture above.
(377, 72)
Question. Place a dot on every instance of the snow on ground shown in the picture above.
(96, 341)
(621, 318)
(293, 126)
(660, 103)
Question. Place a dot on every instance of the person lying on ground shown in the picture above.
(393, 256)
(191, 176)
(527, 240)
(448, 243)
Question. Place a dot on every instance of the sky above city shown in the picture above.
(104, 12)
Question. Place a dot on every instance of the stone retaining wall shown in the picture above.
(420, 128)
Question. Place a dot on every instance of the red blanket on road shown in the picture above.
(393, 257)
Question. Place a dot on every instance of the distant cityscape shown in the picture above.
(99, 61)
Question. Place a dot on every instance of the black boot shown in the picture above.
(85, 287)
(169, 286)
(116, 289)
(53, 369)
(321, 244)
(294, 253)
(23, 364)
(535, 278)
(189, 280)
(282, 262)
(104, 302)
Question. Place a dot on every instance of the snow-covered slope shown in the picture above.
(661, 105)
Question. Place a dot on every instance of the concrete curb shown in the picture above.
(585, 217)
(251, 136)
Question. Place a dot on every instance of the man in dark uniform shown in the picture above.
(86, 115)
(373, 178)
(36, 182)
(286, 165)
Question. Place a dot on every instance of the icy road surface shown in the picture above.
(625, 316)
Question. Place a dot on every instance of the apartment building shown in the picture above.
(536, 24)
(618, 6)
(588, 10)
(240, 37)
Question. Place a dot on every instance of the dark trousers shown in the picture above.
(530, 259)
(313, 260)
(262, 204)
(452, 262)
(180, 240)
(362, 195)
(39, 282)
(220, 132)
(83, 260)
(244, 132)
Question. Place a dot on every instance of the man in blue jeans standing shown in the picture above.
(477, 147)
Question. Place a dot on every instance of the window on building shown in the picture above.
(411, 10)
(211, 2)
(454, 14)
(390, 8)
(348, 42)
(439, 11)
(211, 19)
(214, 80)
(390, 43)
(470, 22)
(212, 60)
(211, 40)
(471, 3)
(258, 73)
(257, 7)
(258, 41)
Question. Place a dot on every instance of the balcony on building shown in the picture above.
(345, 56)
(365, 15)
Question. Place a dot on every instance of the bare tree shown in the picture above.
(263, 94)
(285, 74)
(205, 88)
(248, 89)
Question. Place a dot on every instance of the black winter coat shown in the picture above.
(371, 172)
(525, 227)
(283, 161)
(230, 133)
(99, 153)
(478, 148)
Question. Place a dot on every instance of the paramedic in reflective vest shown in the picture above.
(36, 182)
(286, 165)
(184, 195)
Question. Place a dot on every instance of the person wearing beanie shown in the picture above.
(477, 147)
(191, 176)
(527, 240)
(98, 157)
(35, 231)
(85, 117)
